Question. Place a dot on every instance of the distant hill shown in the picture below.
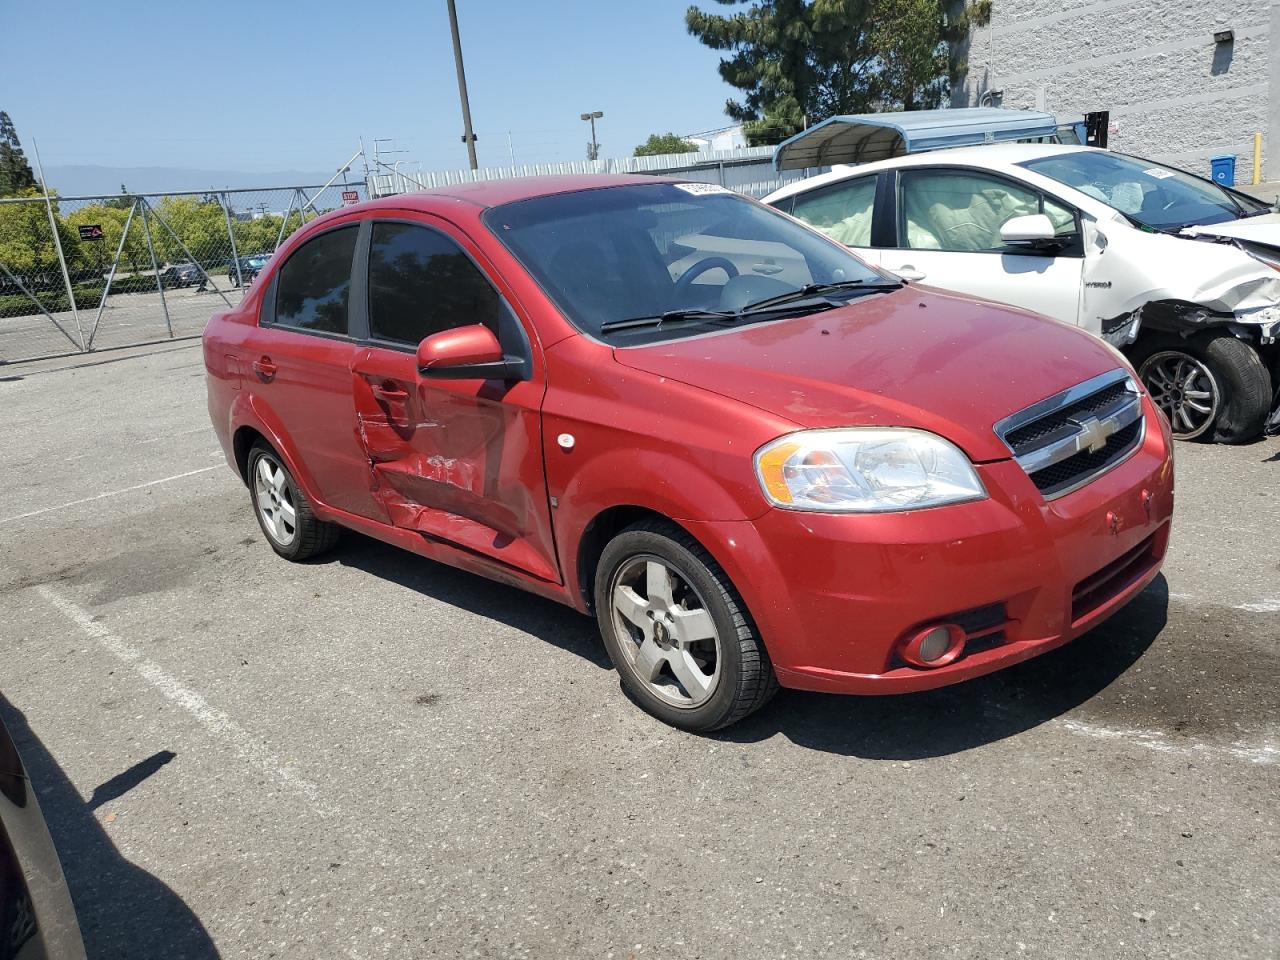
(86, 180)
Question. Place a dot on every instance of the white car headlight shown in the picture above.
(865, 470)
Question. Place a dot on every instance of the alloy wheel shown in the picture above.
(273, 495)
(1185, 389)
(665, 630)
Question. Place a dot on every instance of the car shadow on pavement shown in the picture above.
(124, 911)
(547, 620)
(969, 714)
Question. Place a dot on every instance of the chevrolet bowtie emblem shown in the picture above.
(1094, 433)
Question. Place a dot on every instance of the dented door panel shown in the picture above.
(456, 460)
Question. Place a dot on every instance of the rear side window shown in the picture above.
(421, 282)
(314, 287)
(841, 211)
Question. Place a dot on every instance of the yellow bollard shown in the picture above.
(1257, 158)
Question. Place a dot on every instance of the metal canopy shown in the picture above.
(864, 137)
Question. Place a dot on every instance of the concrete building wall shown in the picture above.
(1174, 93)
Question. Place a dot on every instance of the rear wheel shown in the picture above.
(1211, 387)
(284, 513)
(677, 631)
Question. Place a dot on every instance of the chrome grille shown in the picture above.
(1065, 441)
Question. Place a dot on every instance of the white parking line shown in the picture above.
(1263, 606)
(109, 493)
(180, 433)
(1265, 752)
(247, 746)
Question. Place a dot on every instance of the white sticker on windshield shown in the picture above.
(700, 189)
(1158, 173)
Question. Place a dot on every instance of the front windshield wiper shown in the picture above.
(818, 290)
(671, 316)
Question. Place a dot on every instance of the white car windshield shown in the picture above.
(1150, 194)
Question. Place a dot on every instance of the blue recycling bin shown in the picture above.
(1224, 169)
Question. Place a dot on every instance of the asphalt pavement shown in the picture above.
(372, 755)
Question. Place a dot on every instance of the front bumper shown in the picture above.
(834, 595)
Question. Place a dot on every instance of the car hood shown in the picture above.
(1261, 229)
(913, 358)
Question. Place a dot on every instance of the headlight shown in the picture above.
(865, 470)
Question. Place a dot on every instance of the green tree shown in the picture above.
(26, 242)
(15, 172)
(800, 61)
(907, 35)
(135, 258)
(771, 61)
(199, 223)
(660, 143)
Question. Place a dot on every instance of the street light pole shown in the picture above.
(468, 137)
(595, 146)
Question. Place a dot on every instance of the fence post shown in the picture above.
(284, 224)
(57, 245)
(106, 291)
(231, 234)
(164, 304)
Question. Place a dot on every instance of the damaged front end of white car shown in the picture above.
(1198, 313)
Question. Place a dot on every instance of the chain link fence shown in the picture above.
(79, 274)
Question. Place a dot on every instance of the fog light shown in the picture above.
(933, 646)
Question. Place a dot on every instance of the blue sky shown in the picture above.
(268, 86)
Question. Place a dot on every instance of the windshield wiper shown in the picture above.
(819, 289)
(671, 316)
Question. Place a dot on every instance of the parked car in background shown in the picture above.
(37, 918)
(1178, 271)
(830, 481)
(250, 267)
(181, 275)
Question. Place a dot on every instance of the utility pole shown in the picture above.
(594, 152)
(468, 137)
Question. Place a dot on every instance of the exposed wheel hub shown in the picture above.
(1185, 389)
(666, 632)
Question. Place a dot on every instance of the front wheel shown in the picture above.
(678, 633)
(1210, 386)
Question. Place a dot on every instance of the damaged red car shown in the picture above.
(756, 460)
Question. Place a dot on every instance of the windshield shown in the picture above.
(1149, 193)
(619, 253)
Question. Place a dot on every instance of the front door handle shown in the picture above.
(265, 369)
(908, 272)
(389, 393)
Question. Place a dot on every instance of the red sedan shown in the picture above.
(755, 459)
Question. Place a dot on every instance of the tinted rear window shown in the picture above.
(315, 283)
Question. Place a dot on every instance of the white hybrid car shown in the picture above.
(1182, 274)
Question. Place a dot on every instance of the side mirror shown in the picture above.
(1035, 230)
(466, 353)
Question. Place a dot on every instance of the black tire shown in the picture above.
(311, 536)
(746, 679)
(1240, 379)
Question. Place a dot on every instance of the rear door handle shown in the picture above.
(265, 369)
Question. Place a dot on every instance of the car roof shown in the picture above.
(993, 156)
(492, 193)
